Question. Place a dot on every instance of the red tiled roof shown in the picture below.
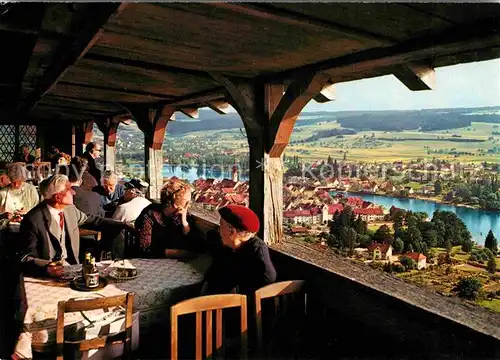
(382, 247)
(371, 211)
(295, 213)
(416, 256)
(299, 229)
(333, 208)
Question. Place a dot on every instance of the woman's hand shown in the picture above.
(182, 212)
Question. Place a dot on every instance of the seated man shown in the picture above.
(134, 203)
(111, 192)
(49, 233)
(240, 259)
(166, 229)
(24, 155)
(87, 201)
(18, 197)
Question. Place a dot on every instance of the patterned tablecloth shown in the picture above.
(160, 283)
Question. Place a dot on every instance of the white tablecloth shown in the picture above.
(160, 283)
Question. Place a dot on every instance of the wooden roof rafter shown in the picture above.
(117, 90)
(89, 29)
(419, 49)
(267, 11)
(145, 65)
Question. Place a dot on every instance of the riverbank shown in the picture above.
(478, 221)
(435, 199)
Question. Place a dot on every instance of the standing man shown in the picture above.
(93, 152)
(49, 232)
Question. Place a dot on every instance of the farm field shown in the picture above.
(369, 145)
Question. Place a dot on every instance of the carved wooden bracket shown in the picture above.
(416, 77)
(109, 129)
(153, 123)
(88, 131)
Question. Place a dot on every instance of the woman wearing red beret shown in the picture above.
(241, 260)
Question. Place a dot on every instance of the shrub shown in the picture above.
(468, 288)
(398, 268)
(408, 263)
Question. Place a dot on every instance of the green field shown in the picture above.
(368, 145)
(491, 304)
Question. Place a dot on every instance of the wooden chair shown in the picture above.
(279, 291)
(85, 232)
(124, 337)
(208, 304)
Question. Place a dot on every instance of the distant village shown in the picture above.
(309, 207)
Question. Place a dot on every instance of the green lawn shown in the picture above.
(493, 304)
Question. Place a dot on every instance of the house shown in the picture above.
(298, 217)
(380, 251)
(327, 211)
(295, 230)
(420, 259)
(409, 190)
(370, 214)
(388, 187)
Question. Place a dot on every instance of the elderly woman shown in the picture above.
(241, 259)
(18, 197)
(166, 229)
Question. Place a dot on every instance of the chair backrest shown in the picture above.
(278, 291)
(208, 304)
(75, 305)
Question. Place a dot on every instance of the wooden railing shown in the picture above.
(358, 311)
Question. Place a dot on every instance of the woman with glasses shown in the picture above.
(167, 229)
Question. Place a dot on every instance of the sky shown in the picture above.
(465, 85)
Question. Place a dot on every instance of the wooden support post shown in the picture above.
(269, 114)
(109, 129)
(73, 141)
(153, 123)
(88, 132)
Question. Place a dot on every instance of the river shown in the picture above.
(479, 222)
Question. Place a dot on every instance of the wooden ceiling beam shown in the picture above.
(205, 96)
(75, 109)
(97, 101)
(89, 24)
(267, 11)
(460, 39)
(117, 90)
(145, 65)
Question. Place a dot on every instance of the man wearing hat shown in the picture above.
(241, 260)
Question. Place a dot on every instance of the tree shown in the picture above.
(468, 288)
(491, 242)
(398, 246)
(408, 263)
(351, 240)
(360, 226)
(491, 266)
(437, 187)
(467, 246)
(383, 234)
(448, 245)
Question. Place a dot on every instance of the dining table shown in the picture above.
(159, 284)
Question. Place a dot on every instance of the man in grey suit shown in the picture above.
(49, 232)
